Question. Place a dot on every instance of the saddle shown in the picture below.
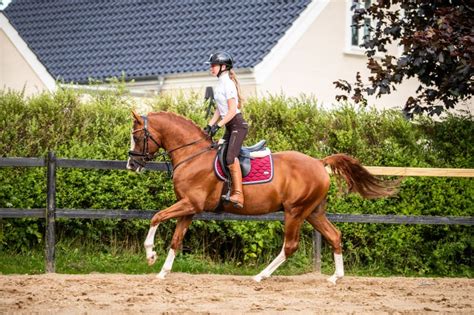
(256, 163)
(257, 150)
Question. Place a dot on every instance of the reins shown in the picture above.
(166, 154)
(186, 145)
(192, 157)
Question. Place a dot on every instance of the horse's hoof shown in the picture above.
(333, 279)
(257, 278)
(152, 259)
(162, 275)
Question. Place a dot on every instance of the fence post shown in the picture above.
(317, 251)
(50, 216)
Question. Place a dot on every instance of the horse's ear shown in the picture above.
(136, 116)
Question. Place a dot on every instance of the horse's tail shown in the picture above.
(358, 178)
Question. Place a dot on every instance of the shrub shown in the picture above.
(99, 128)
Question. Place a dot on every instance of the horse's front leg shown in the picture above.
(179, 209)
(149, 243)
(181, 228)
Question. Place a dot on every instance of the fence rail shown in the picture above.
(419, 171)
(51, 213)
(206, 216)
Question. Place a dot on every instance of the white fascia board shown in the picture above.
(192, 80)
(266, 67)
(197, 80)
(91, 89)
(27, 53)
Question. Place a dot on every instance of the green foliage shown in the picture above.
(99, 128)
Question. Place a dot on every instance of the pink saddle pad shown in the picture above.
(260, 172)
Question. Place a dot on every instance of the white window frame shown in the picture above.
(356, 50)
(349, 47)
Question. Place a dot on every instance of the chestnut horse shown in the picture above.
(299, 186)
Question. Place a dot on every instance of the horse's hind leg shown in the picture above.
(181, 228)
(321, 223)
(290, 245)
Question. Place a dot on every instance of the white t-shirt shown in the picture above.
(224, 91)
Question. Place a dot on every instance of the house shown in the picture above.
(20, 68)
(279, 46)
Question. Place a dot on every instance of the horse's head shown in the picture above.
(144, 143)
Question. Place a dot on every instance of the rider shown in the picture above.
(229, 101)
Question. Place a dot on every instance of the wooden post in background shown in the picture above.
(317, 251)
(50, 215)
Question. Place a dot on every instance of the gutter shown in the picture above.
(157, 83)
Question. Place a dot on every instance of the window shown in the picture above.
(356, 35)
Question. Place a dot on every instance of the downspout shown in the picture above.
(161, 81)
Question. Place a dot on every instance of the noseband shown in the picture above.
(166, 154)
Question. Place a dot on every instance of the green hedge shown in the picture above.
(99, 128)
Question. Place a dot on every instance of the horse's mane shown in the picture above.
(173, 117)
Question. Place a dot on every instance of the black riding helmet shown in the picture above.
(221, 58)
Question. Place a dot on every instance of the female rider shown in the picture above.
(229, 101)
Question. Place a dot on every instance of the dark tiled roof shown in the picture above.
(81, 39)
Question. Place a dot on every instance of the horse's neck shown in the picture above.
(176, 132)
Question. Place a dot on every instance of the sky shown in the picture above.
(4, 4)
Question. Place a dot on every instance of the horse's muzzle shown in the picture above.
(132, 165)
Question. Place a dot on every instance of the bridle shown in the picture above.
(166, 155)
(144, 154)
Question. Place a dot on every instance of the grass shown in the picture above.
(83, 261)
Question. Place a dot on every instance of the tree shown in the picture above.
(437, 38)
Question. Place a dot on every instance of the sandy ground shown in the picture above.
(215, 294)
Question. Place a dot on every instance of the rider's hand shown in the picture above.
(207, 129)
(214, 130)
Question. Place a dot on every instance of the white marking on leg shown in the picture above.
(165, 270)
(132, 142)
(132, 146)
(149, 243)
(267, 272)
(339, 272)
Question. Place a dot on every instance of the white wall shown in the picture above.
(20, 69)
(15, 73)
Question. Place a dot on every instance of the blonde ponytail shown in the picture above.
(233, 77)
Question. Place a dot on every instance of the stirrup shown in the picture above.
(236, 204)
(226, 197)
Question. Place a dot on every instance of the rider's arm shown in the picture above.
(232, 103)
(215, 117)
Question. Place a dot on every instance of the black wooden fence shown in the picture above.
(50, 213)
